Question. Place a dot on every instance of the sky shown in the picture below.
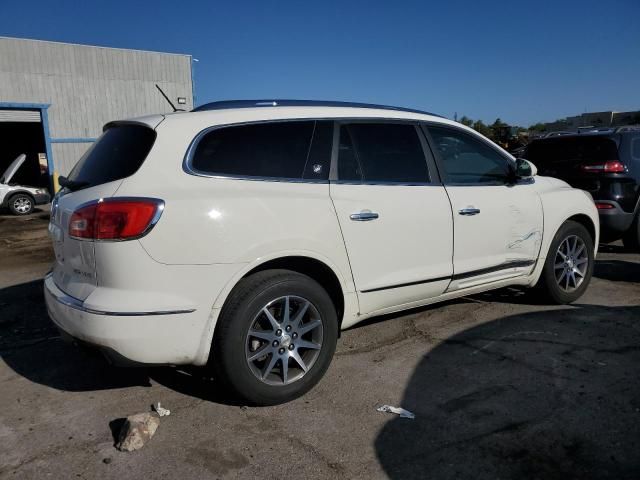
(522, 61)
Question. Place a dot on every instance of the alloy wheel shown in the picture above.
(284, 340)
(22, 205)
(571, 263)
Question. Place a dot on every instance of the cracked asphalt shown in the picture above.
(502, 387)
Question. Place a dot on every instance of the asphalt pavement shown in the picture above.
(501, 386)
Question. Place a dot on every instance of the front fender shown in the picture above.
(559, 204)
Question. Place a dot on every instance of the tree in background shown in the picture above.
(480, 127)
(466, 121)
(493, 132)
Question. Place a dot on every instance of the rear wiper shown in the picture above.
(71, 184)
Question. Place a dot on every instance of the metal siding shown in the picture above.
(67, 155)
(89, 86)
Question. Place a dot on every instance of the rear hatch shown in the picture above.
(566, 157)
(117, 154)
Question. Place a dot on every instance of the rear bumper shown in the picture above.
(158, 338)
(614, 222)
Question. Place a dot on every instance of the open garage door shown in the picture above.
(28, 116)
(22, 132)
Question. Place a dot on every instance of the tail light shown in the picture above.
(115, 218)
(612, 166)
(604, 206)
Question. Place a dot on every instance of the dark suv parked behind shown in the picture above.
(604, 163)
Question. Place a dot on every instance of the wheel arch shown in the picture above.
(317, 268)
(306, 263)
(583, 219)
(312, 267)
(10, 196)
(586, 222)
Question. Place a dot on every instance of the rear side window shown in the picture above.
(287, 150)
(381, 152)
(467, 160)
(117, 154)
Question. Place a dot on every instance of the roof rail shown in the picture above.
(559, 133)
(627, 128)
(228, 104)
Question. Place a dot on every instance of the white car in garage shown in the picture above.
(245, 235)
(20, 199)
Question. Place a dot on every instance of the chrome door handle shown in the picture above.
(469, 211)
(364, 216)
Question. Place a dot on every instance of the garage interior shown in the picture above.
(22, 131)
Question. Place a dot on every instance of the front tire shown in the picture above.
(569, 265)
(275, 337)
(21, 204)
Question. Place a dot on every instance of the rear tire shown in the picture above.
(631, 238)
(275, 337)
(569, 264)
(21, 204)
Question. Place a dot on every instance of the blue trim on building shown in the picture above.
(73, 140)
(44, 117)
(25, 106)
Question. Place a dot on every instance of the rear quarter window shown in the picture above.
(279, 150)
(117, 154)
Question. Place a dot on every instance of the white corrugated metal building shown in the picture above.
(56, 97)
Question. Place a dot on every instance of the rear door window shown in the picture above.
(381, 153)
(284, 150)
(117, 154)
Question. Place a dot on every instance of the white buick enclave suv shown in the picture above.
(245, 235)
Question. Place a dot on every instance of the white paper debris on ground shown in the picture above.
(162, 412)
(397, 410)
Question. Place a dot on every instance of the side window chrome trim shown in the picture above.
(405, 184)
(187, 166)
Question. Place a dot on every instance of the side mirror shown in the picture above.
(525, 169)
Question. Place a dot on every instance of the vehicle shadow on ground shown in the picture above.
(31, 345)
(611, 248)
(551, 394)
(617, 270)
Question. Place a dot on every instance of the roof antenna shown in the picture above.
(167, 99)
